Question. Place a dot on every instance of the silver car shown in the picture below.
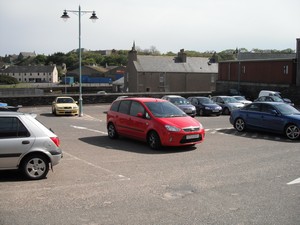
(227, 103)
(27, 145)
(181, 103)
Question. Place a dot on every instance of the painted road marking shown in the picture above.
(85, 128)
(297, 181)
(120, 177)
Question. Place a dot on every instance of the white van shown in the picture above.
(275, 93)
(269, 93)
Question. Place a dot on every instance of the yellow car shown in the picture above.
(65, 106)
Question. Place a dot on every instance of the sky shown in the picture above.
(168, 25)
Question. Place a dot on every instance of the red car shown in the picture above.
(155, 121)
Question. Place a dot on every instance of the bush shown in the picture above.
(4, 79)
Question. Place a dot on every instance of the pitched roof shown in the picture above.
(168, 64)
(29, 69)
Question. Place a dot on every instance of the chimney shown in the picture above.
(132, 54)
(298, 62)
(181, 57)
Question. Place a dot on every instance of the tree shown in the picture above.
(40, 60)
(5, 79)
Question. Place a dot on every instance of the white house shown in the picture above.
(32, 74)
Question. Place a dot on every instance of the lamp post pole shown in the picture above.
(65, 16)
(80, 80)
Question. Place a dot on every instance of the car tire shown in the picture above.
(111, 131)
(292, 132)
(226, 111)
(35, 167)
(153, 140)
(240, 124)
(201, 113)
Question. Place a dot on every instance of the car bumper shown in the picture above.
(212, 112)
(182, 138)
(55, 159)
(67, 112)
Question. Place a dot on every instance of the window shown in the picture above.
(12, 127)
(286, 69)
(124, 107)
(267, 108)
(136, 108)
(253, 107)
(115, 106)
(243, 69)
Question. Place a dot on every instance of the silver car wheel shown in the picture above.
(35, 167)
(240, 124)
(292, 132)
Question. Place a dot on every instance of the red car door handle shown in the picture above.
(25, 142)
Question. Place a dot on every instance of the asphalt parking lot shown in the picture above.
(230, 178)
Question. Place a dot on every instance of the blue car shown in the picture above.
(275, 117)
(205, 106)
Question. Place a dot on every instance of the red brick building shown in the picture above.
(252, 72)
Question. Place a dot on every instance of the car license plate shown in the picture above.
(215, 110)
(192, 136)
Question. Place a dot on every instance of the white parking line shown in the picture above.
(297, 181)
(85, 128)
(121, 177)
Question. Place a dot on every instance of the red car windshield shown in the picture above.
(164, 109)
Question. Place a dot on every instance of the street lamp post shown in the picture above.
(65, 16)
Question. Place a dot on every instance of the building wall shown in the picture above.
(174, 82)
(37, 77)
(276, 72)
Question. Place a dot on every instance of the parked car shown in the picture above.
(182, 103)
(155, 121)
(205, 106)
(27, 145)
(65, 106)
(276, 117)
(227, 103)
(6, 107)
(272, 99)
(276, 94)
(101, 93)
(242, 99)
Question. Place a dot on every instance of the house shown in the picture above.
(24, 55)
(32, 74)
(169, 73)
(252, 72)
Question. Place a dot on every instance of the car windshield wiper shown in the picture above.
(173, 115)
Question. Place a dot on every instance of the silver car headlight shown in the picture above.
(172, 128)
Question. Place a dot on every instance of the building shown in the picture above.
(91, 71)
(252, 72)
(32, 74)
(24, 55)
(169, 73)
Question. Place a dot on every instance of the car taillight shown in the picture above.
(56, 141)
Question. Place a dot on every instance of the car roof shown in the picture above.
(14, 113)
(198, 97)
(10, 113)
(64, 97)
(270, 103)
(222, 96)
(173, 96)
(143, 99)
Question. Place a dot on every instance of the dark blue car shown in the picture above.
(205, 106)
(273, 117)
